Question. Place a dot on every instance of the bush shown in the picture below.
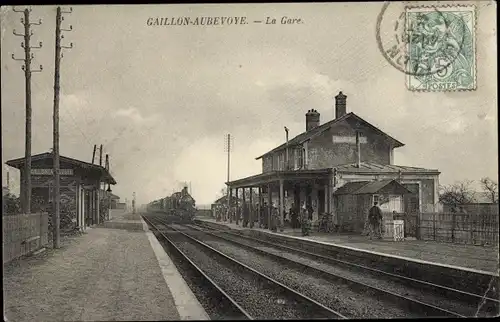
(11, 205)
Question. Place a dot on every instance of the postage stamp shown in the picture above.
(441, 48)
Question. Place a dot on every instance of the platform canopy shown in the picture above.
(274, 177)
(94, 168)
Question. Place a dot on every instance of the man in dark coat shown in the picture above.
(293, 216)
(375, 219)
(246, 214)
(265, 215)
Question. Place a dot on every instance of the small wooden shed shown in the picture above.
(354, 199)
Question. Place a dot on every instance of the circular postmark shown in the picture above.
(420, 41)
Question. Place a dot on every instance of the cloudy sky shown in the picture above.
(161, 98)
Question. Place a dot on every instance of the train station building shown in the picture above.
(310, 169)
(84, 188)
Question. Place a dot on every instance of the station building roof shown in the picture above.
(349, 117)
(371, 167)
(19, 164)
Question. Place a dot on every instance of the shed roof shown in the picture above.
(19, 163)
(223, 199)
(369, 187)
(370, 167)
(349, 117)
(113, 196)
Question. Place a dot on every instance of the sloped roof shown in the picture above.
(351, 187)
(223, 199)
(19, 163)
(368, 187)
(113, 196)
(371, 167)
(349, 117)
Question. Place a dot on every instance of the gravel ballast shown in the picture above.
(448, 300)
(260, 299)
(366, 277)
(215, 307)
(338, 297)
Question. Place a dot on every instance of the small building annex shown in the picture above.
(81, 192)
(311, 167)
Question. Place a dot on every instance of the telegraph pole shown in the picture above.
(93, 153)
(228, 150)
(100, 155)
(28, 56)
(109, 188)
(133, 204)
(8, 182)
(56, 218)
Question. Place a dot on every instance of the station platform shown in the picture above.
(105, 274)
(124, 220)
(477, 259)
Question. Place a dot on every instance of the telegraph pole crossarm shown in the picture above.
(37, 23)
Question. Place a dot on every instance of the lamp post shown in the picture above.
(109, 200)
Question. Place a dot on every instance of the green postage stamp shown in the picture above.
(441, 48)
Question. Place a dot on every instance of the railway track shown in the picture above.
(218, 303)
(249, 293)
(462, 280)
(418, 296)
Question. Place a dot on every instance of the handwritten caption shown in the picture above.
(220, 21)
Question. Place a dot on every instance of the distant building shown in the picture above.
(312, 166)
(80, 188)
(220, 205)
(112, 197)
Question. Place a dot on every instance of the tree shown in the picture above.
(222, 193)
(491, 188)
(457, 193)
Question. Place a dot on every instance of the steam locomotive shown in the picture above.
(177, 208)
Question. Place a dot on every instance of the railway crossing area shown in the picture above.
(145, 268)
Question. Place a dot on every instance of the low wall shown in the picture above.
(23, 234)
(114, 213)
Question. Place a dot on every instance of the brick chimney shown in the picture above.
(312, 119)
(340, 105)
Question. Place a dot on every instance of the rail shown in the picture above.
(319, 310)
(489, 304)
(234, 310)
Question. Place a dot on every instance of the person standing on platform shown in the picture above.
(375, 219)
(293, 216)
(246, 213)
(305, 223)
(310, 211)
(274, 218)
(265, 216)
